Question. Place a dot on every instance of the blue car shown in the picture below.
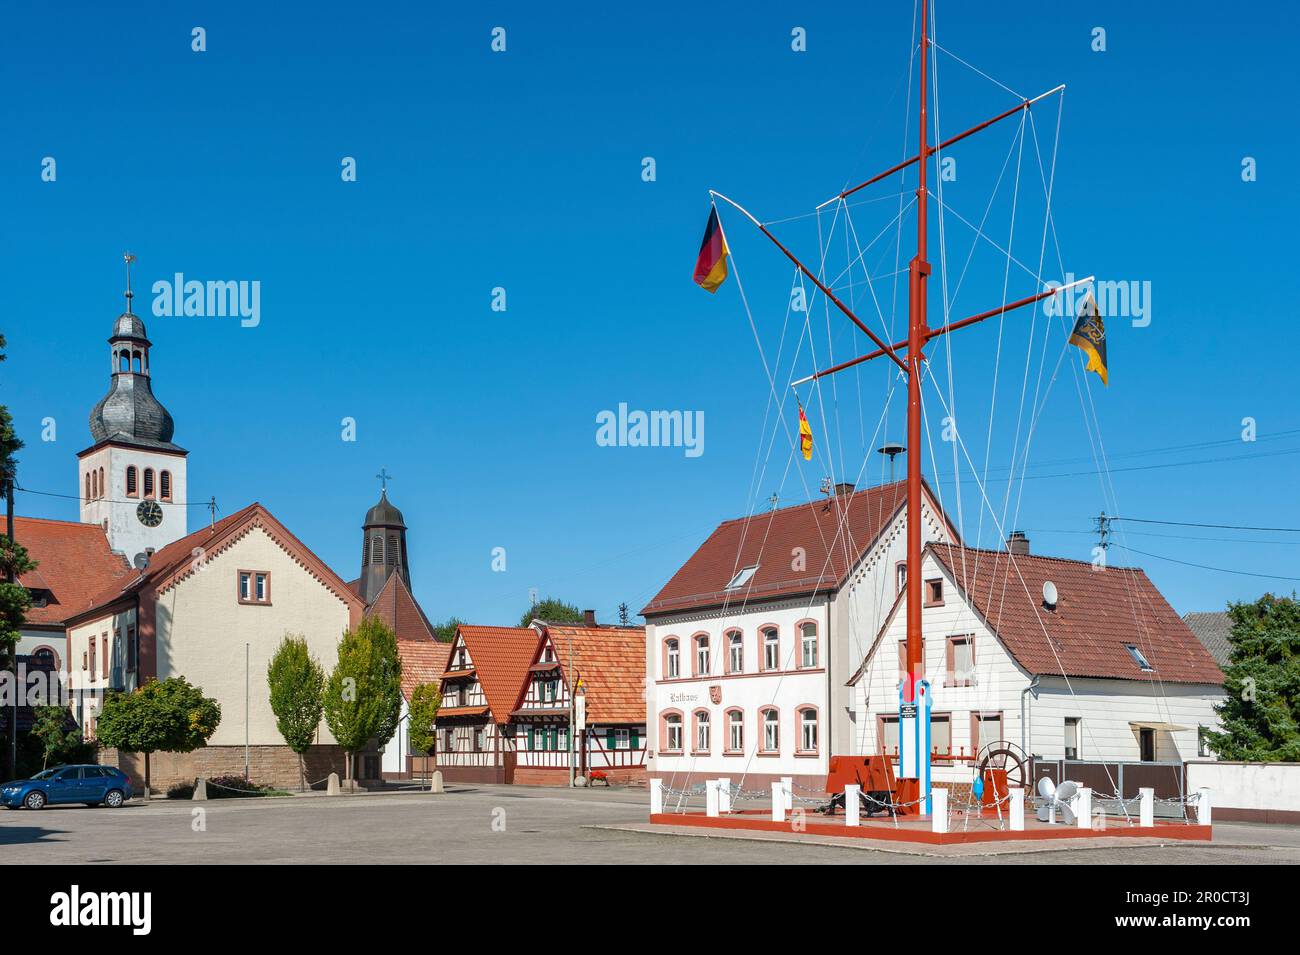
(92, 785)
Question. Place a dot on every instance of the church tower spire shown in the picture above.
(383, 545)
(132, 477)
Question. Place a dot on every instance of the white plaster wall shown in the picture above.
(202, 629)
(1267, 786)
(125, 532)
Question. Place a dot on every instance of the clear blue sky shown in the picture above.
(523, 170)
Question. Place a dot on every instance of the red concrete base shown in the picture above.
(917, 828)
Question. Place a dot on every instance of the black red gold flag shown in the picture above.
(711, 266)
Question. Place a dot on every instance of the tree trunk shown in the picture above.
(146, 776)
(302, 773)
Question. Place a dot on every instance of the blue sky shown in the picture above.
(523, 170)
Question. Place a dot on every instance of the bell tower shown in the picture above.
(383, 545)
(132, 478)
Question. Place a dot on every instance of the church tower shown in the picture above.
(131, 479)
(383, 547)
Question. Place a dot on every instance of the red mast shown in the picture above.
(917, 332)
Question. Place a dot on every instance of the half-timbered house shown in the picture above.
(485, 668)
(593, 672)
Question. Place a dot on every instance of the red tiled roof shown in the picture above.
(611, 664)
(74, 563)
(185, 556)
(833, 533)
(423, 657)
(501, 656)
(1097, 613)
(422, 662)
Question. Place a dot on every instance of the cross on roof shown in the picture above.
(384, 478)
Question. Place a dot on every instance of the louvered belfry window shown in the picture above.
(392, 549)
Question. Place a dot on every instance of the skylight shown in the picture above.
(742, 578)
(1137, 656)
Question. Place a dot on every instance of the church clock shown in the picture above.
(149, 513)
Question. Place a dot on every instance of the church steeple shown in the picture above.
(383, 545)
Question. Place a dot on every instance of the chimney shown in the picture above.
(1018, 543)
(589, 618)
(844, 487)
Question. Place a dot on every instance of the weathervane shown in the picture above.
(128, 258)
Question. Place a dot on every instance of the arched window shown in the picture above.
(807, 720)
(132, 489)
(735, 651)
(46, 656)
(393, 549)
(148, 482)
(165, 485)
(808, 644)
(672, 659)
(94, 484)
(701, 740)
(100, 482)
(771, 649)
(135, 362)
(770, 720)
(365, 550)
(88, 485)
(735, 731)
(672, 741)
(376, 548)
(702, 654)
(124, 361)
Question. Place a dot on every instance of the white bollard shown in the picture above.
(787, 784)
(852, 804)
(938, 809)
(1203, 806)
(1083, 808)
(1146, 807)
(711, 797)
(656, 797)
(332, 787)
(1017, 797)
(778, 801)
(724, 795)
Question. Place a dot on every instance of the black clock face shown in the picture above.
(149, 513)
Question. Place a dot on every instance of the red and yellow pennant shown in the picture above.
(805, 435)
(711, 266)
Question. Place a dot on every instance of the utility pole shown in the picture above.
(1101, 525)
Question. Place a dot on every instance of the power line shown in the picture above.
(106, 500)
(1221, 570)
(1221, 527)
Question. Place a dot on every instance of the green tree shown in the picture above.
(169, 716)
(363, 696)
(553, 610)
(1261, 714)
(15, 599)
(446, 632)
(421, 715)
(297, 684)
(54, 726)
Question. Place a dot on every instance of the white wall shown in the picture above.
(125, 532)
(1273, 787)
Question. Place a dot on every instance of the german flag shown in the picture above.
(805, 435)
(1089, 336)
(711, 266)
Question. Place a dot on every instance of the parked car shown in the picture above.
(92, 785)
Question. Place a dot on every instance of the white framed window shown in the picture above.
(672, 658)
(771, 731)
(900, 577)
(808, 730)
(742, 578)
(701, 655)
(1072, 737)
(673, 732)
(771, 649)
(702, 731)
(808, 645)
(622, 738)
(735, 731)
(735, 652)
(245, 586)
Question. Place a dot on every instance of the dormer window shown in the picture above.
(1139, 658)
(742, 578)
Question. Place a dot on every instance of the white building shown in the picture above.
(750, 646)
(1106, 673)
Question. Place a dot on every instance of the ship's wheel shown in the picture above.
(1009, 758)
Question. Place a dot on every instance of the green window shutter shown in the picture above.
(610, 738)
(632, 738)
(532, 739)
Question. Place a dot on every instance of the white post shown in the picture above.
(778, 801)
(711, 797)
(1083, 808)
(938, 809)
(1146, 807)
(852, 804)
(724, 795)
(656, 797)
(1017, 810)
(1203, 806)
(787, 784)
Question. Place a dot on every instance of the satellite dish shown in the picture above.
(1049, 595)
(141, 561)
